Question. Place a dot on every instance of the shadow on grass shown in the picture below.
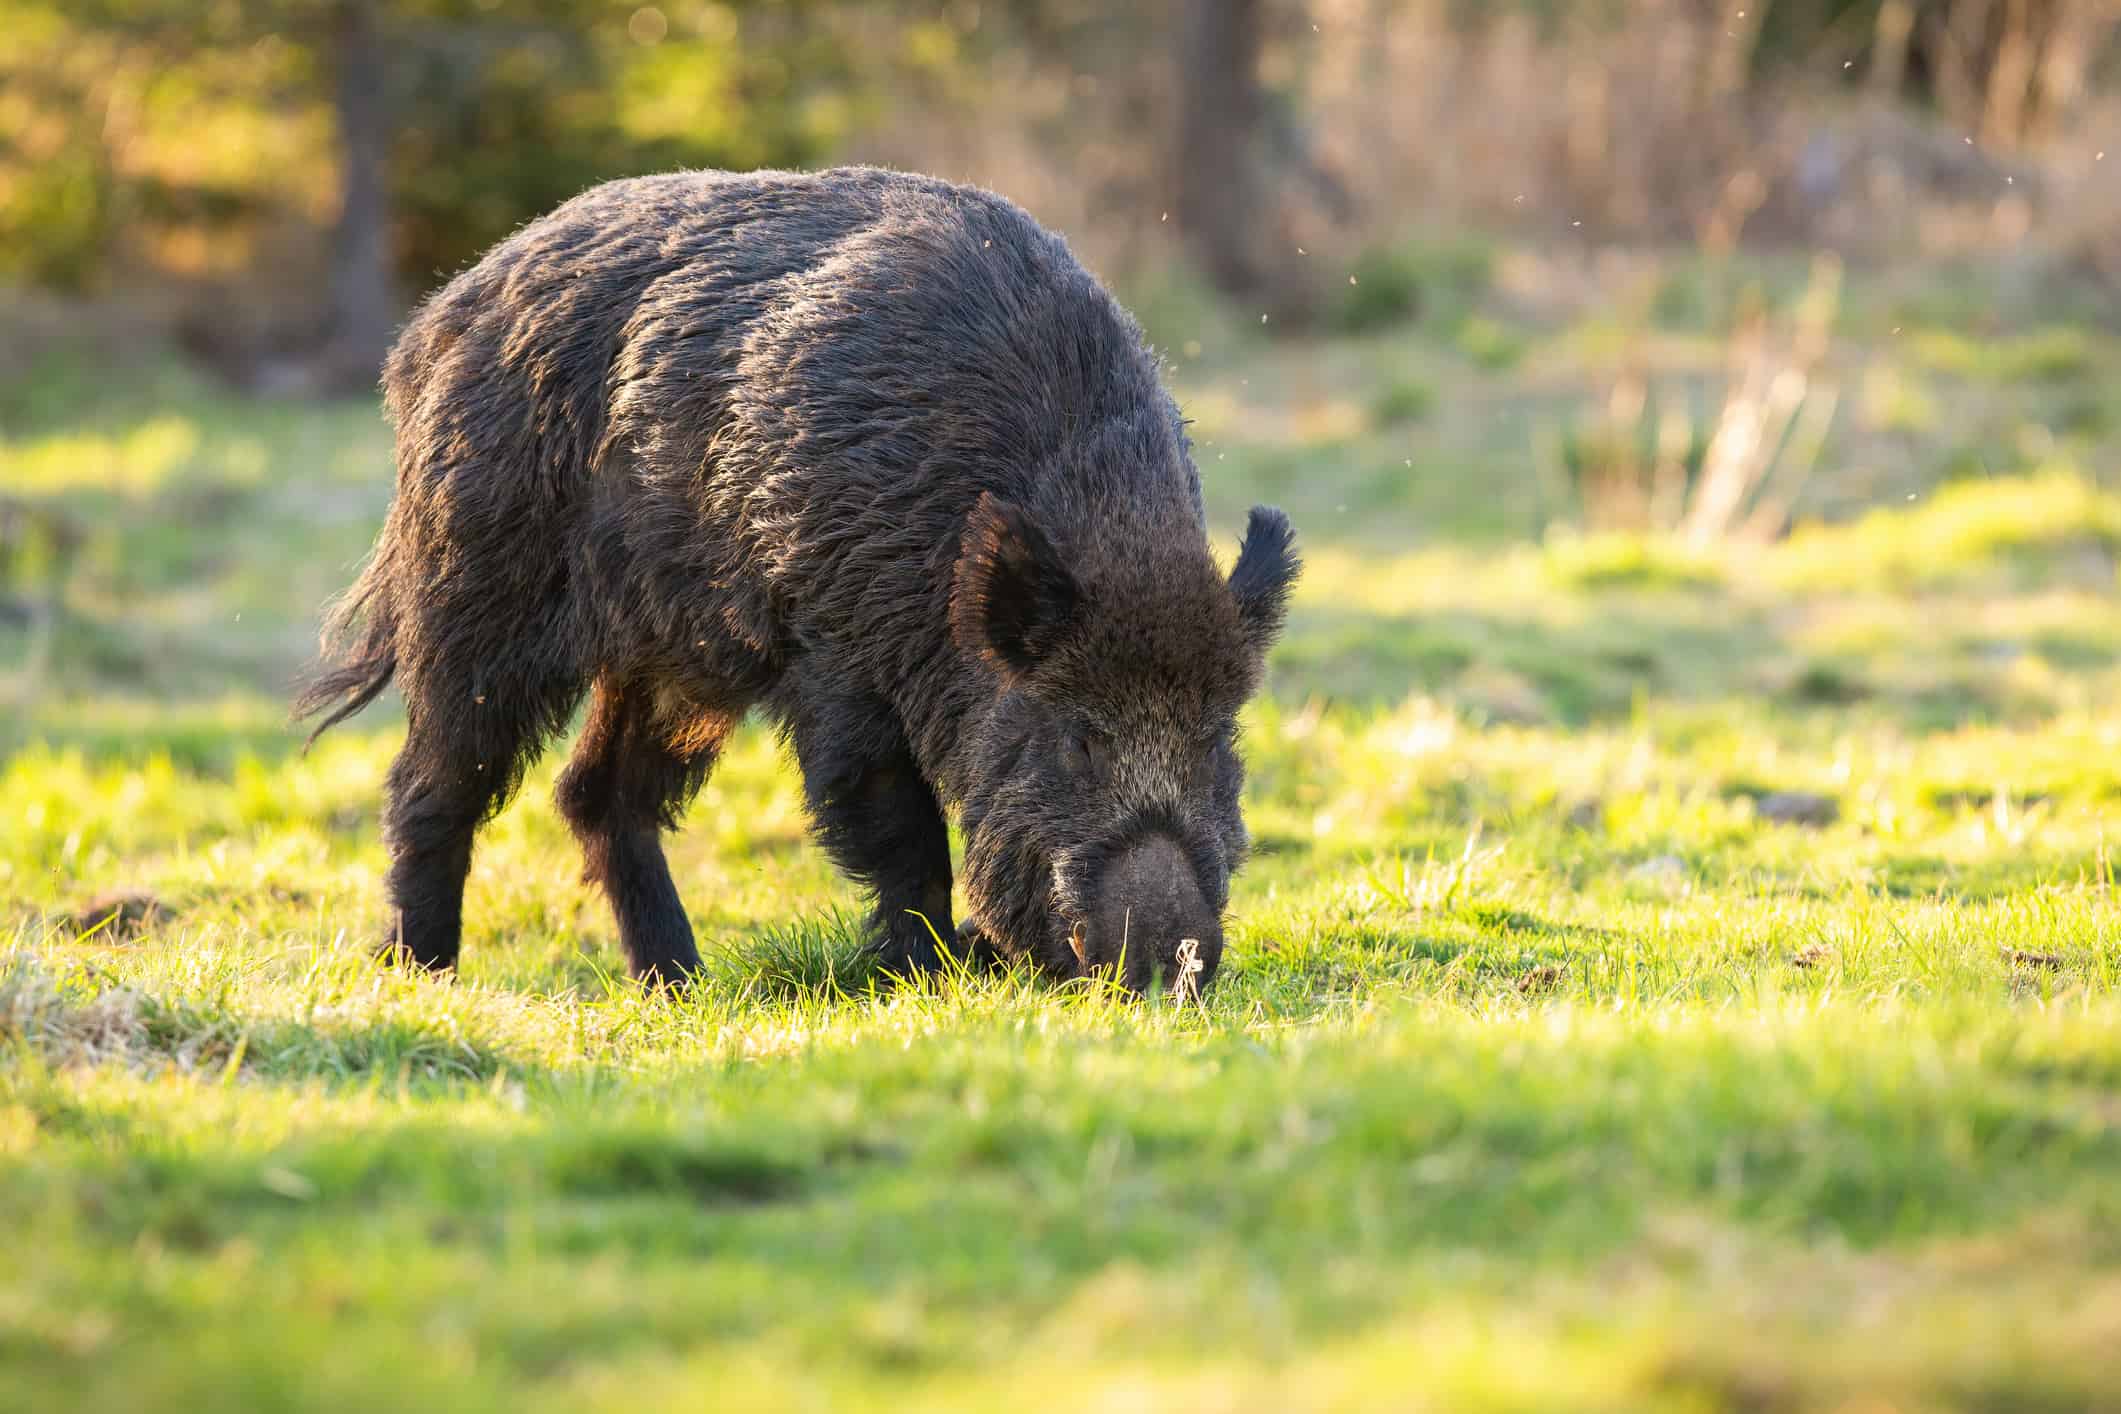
(467, 1182)
(1476, 947)
(1621, 653)
(202, 737)
(78, 1019)
(1624, 655)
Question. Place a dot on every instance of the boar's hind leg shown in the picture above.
(877, 817)
(465, 752)
(630, 778)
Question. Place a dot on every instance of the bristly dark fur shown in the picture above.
(868, 451)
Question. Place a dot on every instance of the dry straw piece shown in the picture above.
(1187, 984)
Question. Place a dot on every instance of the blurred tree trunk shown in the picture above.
(363, 301)
(2013, 70)
(1220, 110)
(1889, 50)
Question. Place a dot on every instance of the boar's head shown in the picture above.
(1102, 808)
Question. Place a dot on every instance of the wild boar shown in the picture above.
(867, 451)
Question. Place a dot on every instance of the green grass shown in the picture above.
(1547, 1069)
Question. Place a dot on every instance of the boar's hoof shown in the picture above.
(975, 949)
(392, 951)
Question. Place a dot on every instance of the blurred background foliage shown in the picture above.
(1423, 268)
(275, 179)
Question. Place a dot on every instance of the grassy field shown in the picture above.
(1670, 978)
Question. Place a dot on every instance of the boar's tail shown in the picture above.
(360, 652)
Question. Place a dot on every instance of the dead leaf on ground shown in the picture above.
(1797, 807)
(1538, 979)
(2052, 961)
(118, 915)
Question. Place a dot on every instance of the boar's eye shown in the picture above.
(1218, 754)
(1084, 752)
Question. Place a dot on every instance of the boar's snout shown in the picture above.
(1152, 924)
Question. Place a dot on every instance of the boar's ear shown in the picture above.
(1014, 597)
(1267, 566)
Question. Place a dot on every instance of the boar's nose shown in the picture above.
(1152, 919)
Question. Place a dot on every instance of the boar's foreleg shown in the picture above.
(878, 818)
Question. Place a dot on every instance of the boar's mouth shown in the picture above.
(1190, 964)
(1141, 912)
